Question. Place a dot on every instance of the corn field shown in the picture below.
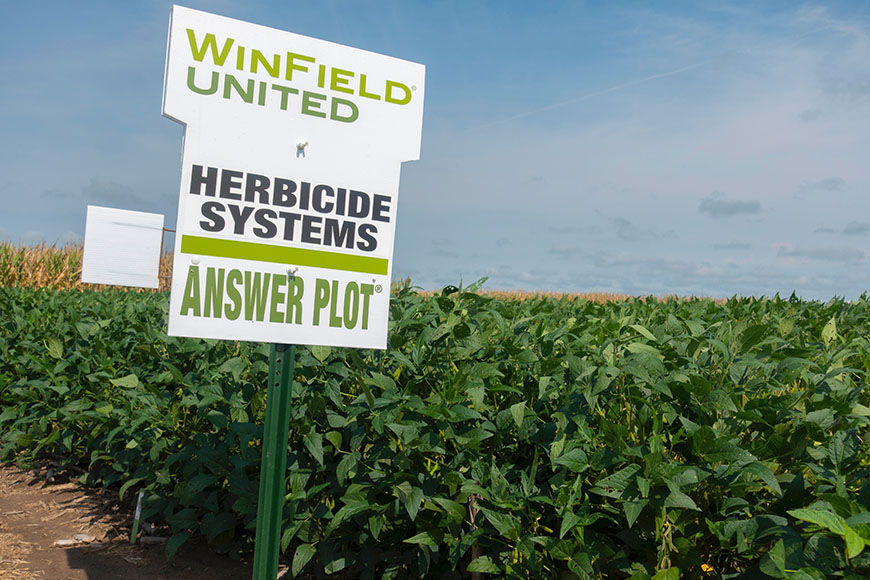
(60, 268)
(55, 267)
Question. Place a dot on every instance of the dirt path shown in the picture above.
(35, 514)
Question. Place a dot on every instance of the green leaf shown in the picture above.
(235, 366)
(777, 556)
(423, 539)
(672, 573)
(321, 353)
(175, 542)
(808, 574)
(303, 555)
(456, 510)
(575, 460)
(484, 370)
(55, 347)
(678, 499)
(216, 525)
(130, 381)
(313, 442)
(411, 497)
(217, 418)
(764, 474)
(518, 413)
(127, 485)
(829, 332)
(483, 564)
(854, 542)
(506, 524)
(569, 520)
(642, 330)
(633, 509)
(823, 519)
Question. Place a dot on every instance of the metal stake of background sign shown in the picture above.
(270, 506)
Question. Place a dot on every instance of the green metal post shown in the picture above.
(274, 463)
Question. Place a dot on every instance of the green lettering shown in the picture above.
(256, 293)
(311, 104)
(339, 80)
(334, 318)
(351, 305)
(231, 82)
(191, 299)
(284, 92)
(214, 292)
(277, 298)
(388, 96)
(234, 278)
(321, 298)
(354, 111)
(295, 286)
(191, 84)
(291, 64)
(198, 52)
(257, 59)
(362, 89)
(366, 290)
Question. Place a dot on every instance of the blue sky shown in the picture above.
(637, 147)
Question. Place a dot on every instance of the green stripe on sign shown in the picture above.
(282, 255)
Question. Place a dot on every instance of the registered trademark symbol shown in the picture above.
(379, 288)
(413, 87)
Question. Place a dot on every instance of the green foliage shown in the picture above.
(544, 438)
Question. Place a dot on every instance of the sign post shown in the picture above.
(274, 463)
(287, 205)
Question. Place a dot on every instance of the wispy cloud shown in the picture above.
(827, 185)
(563, 250)
(716, 206)
(733, 246)
(826, 230)
(71, 238)
(103, 190)
(574, 229)
(857, 229)
(827, 254)
(31, 237)
(441, 247)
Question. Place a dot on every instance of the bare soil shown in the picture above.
(37, 511)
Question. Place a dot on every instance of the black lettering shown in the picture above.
(336, 236)
(340, 200)
(231, 180)
(289, 220)
(240, 217)
(358, 204)
(311, 228)
(321, 191)
(257, 184)
(365, 233)
(264, 217)
(210, 210)
(380, 207)
(198, 179)
(303, 195)
(283, 195)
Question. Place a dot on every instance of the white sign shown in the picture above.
(122, 247)
(289, 182)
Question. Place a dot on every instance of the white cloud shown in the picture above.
(33, 237)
